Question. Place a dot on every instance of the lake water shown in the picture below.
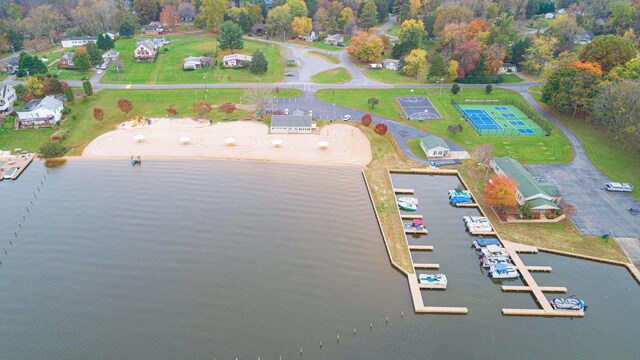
(216, 259)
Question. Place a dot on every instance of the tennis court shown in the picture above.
(499, 120)
(418, 108)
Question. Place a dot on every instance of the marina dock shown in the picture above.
(418, 303)
(483, 233)
(421, 247)
(410, 217)
(426, 266)
(550, 289)
(467, 205)
(416, 231)
(403, 191)
(15, 165)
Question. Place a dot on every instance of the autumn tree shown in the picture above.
(453, 36)
(227, 108)
(467, 55)
(298, 8)
(366, 47)
(170, 17)
(369, 16)
(501, 191)
(125, 106)
(202, 108)
(630, 70)
(412, 32)
(415, 64)
(569, 88)
(98, 114)
(452, 70)
(146, 9)
(186, 11)
(451, 14)
(366, 119)
(609, 51)
(171, 110)
(494, 58)
(565, 29)
(540, 54)
(477, 29)
(483, 154)
(213, 12)
(301, 26)
(380, 129)
(279, 19)
(230, 37)
(589, 67)
(373, 101)
(261, 97)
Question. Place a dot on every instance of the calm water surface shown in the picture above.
(214, 259)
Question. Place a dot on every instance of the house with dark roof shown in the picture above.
(434, 146)
(257, 29)
(153, 28)
(540, 196)
(291, 124)
(334, 39)
(78, 41)
(7, 98)
(40, 112)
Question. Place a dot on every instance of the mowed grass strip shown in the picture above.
(392, 77)
(330, 58)
(83, 128)
(608, 155)
(332, 76)
(167, 69)
(554, 149)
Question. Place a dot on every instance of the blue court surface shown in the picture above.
(482, 120)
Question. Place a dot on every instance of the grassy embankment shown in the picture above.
(607, 154)
(4, 76)
(330, 58)
(332, 76)
(527, 149)
(167, 69)
(83, 127)
(393, 30)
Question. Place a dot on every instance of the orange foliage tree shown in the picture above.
(476, 28)
(366, 120)
(366, 47)
(588, 67)
(227, 108)
(501, 191)
(125, 105)
(170, 17)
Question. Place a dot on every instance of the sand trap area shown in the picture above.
(347, 144)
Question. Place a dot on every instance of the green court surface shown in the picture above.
(498, 120)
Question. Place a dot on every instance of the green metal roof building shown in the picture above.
(434, 146)
(542, 196)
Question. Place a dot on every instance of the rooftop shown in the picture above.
(527, 185)
(291, 121)
(432, 142)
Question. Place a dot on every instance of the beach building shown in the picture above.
(391, 64)
(236, 60)
(40, 112)
(434, 146)
(541, 196)
(78, 41)
(291, 124)
(334, 39)
(7, 98)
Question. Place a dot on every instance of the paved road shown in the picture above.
(599, 211)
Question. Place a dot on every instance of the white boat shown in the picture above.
(9, 173)
(459, 192)
(482, 242)
(434, 280)
(489, 261)
(408, 200)
(475, 220)
(570, 303)
(503, 271)
(620, 187)
(494, 251)
(407, 206)
(479, 228)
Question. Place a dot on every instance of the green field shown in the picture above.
(83, 127)
(607, 154)
(393, 30)
(392, 77)
(330, 58)
(527, 149)
(332, 76)
(65, 74)
(4, 75)
(517, 125)
(167, 69)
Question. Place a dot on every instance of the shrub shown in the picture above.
(52, 149)
(380, 129)
(60, 134)
(455, 89)
(366, 120)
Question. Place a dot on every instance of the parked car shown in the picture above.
(311, 113)
(100, 71)
(290, 73)
(286, 111)
(346, 117)
(341, 45)
(621, 187)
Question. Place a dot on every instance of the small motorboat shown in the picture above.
(460, 200)
(479, 228)
(408, 200)
(503, 271)
(570, 303)
(489, 261)
(459, 192)
(493, 251)
(416, 224)
(482, 243)
(475, 220)
(407, 206)
(436, 280)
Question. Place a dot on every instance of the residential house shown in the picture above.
(195, 62)
(391, 64)
(7, 98)
(311, 37)
(585, 38)
(508, 68)
(78, 41)
(549, 15)
(159, 41)
(257, 29)
(9, 65)
(291, 124)
(66, 60)
(236, 60)
(153, 28)
(112, 35)
(540, 196)
(334, 39)
(434, 146)
(145, 51)
(111, 55)
(40, 112)
(375, 66)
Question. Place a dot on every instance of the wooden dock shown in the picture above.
(539, 268)
(549, 289)
(20, 162)
(410, 217)
(426, 266)
(467, 205)
(416, 231)
(403, 191)
(432, 286)
(421, 247)
(483, 233)
(418, 303)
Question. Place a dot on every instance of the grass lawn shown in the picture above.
(4, 75)
(167, 69)
(512, 79)
(83, 127)
(562, 235)
(393, 30)
(391, 77)
(607, 154)
(322, 46)
(414, 146)
(65, 74)
(330, 58)
(332, 76)
(527, 149)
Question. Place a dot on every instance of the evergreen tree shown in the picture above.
(230, 37)
(81, 60)
(109, 42)
(95, 55)
(126, 28)
(243, 21)
(259, 63)
(369, 17)
(88, 89)
(68, 93)
(437, 70)
(15, 39)
(100, 43)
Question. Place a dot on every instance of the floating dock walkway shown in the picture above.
(403, 191)
(19, 163)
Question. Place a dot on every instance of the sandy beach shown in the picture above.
(347, 144)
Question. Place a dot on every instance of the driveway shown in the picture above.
(581, 184)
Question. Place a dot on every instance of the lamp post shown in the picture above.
(334, 111)
(441, 81)
(206, 91)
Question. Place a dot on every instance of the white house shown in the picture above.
(541, 196)
(40, 112)
(78, 41)
(7, 99)
(391, 64)
(434, 146)
(334, 39)
(291, 124)
(145, 51)
(195, 62)
(549, 15)
(508, 68)
(111, 55)
(153, 28)
(235, 60)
